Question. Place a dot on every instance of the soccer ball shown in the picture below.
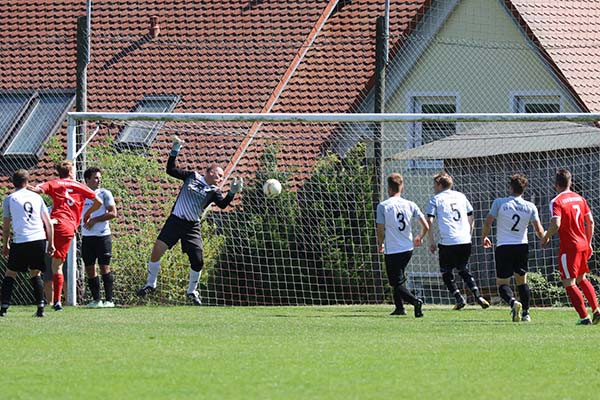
(272, 188)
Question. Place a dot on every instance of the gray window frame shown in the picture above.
(147, 142)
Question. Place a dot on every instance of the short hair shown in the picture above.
(64, 168)
(395, 180)
(212, 167)
(90, 171)
(518, 183)
(563, 178)
(20, 178)
(444, 179)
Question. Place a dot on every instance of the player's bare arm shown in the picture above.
(95, 205)
(485, 232)
(589, 230)
(471, 219)
(432, 243)
(6, 236)
(111, 213)
(49, 228)
(424, 229)
(539, 229)
(35, 189)
(552, 229)
(380, 237)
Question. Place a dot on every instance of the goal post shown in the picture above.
(315, 243)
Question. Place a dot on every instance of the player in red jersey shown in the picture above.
(572, 219)
(68, 197)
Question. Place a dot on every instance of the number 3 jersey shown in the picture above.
(451, 208)
(570, 208)
(25, 209)
(513, 215)
(396, 214)
(67, 199)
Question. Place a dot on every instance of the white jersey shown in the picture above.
(25, 209)
(100, 228)
(514, 215)
(451, 209)
(396, 214)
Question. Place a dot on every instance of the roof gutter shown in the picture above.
(287, 76)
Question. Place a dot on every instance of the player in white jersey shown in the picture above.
(514, 214)
(454, 215)
(31, 226)
(96, 242)
(395, 239)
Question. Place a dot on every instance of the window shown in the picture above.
(28, 119)
(427, 132)
(536, 103)
(142, 133)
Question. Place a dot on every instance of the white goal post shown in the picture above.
(416, 160)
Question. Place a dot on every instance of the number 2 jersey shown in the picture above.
(451, 209)
(570, 208)
(68, 197)
(25, 209)
(513, 215)
(396, 214)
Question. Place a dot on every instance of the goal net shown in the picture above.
(314, 244)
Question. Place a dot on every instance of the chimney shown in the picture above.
(154, 27)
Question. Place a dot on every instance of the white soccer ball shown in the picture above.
(272, 188)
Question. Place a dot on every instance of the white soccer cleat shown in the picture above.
(108, 304)
(526, 318)
(95, 304)
(516, 311)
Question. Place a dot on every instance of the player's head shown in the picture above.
(395, 183)
(442, 181)
(66, 169)
(214, 175)
(517, 184)
(93, 177)
(20, 178)
(562, 181)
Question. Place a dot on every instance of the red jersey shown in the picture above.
(68, 197)
(571, 208)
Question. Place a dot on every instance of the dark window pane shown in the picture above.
(431, 131)
(10, 107)
(533, 108)
(145, 131)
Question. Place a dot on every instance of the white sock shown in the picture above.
(194, 278)
(153, 268)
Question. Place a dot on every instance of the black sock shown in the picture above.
(507, 294)
(448, 278)
(38, 290)
(524, 295)
(7, 289)
(94, 285)
(108, 280)
(470, 281)
(405, 294)
(398, 302)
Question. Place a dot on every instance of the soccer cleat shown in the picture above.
(194, 298)
(145, 290)
(3, 311)
(460, 305)
(419, 309)
(95, 304)
(584, 321)
(108, 304)
(483, 302)
(596, 318)
(517, 307)
(525, 317)
(40, 312)
(398, 311)
(57, 307)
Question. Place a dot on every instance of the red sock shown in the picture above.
(589, 292)
(576, 300)
(58, 285)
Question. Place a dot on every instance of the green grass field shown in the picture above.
(296, 353)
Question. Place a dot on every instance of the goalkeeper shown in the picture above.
(183, 224)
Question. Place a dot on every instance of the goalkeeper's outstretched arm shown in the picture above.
(172, 169)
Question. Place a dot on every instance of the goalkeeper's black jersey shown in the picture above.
(195, 194)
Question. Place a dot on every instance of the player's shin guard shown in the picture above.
(524, 295)
(506, 294)
(577, 300)
(448, 278)
(38, 290)
(59, 280)
(470, 281)
(153, 268)
(94, 285)
(590, 293)
(193, 282)
(108, 281)
(7, 289)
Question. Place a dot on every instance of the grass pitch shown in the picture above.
(296, 353)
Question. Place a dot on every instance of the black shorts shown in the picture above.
(511, 259)
(454, 256)
(96, 248)
(188, 232)
(395, 264)
(28, 255)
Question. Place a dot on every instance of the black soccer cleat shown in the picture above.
(483, 302)
(145, 291)
(398, 311)
(3, 311)
(57, 307)
(39, 313)
(584, 321)
(460, 305)
(194, 298)
(419, 309)
(596, 318)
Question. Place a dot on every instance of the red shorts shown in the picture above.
(63, 235)
(573, 264)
